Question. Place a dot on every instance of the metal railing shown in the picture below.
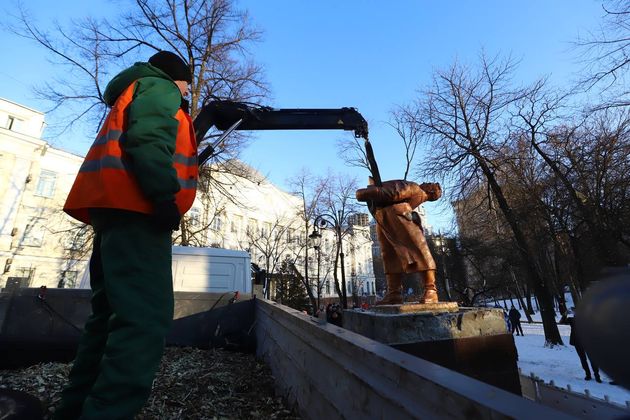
(571, 402)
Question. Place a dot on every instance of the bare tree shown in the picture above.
(464, 118)
(404, 120)
(214, 37)
(352, 151)
(337, 204)
(268, 242)
(562, 148)
(606, 53)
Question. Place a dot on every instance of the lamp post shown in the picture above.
(444, 250)
(335, 222)
(343, 269)
(316, 238)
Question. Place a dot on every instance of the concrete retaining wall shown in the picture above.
(33, 330)
(330, 372)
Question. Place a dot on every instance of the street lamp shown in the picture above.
(443, 251)
(316, 239)
(335, 222)
(343, 269)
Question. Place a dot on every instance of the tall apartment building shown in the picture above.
(40, 245)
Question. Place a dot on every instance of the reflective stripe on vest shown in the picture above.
(105, 179)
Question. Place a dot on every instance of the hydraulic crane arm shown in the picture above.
(228, 116)
(223, 114)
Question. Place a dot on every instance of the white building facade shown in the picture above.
(37, 240)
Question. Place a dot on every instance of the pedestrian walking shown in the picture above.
(515, 321)
(584, 359)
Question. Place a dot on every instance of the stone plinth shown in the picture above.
(472, 341)
(416, 307)
(412, 327)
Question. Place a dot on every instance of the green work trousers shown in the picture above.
(132, 310)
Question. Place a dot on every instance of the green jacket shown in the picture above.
(149, 142)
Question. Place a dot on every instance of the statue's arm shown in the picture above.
(393, 192)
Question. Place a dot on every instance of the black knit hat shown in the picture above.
(172, 65)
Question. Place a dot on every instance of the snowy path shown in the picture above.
(561, 364)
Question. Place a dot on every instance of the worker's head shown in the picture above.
(176, 68)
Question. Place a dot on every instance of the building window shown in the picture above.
(26, 275)
(235, 226)
(265, 229)
(33, 233)
(217, 223)
(327, 287)
(252, 226)
(69, 279)
(76, 240)
(46, 184)
(195, 217)
(11, 122)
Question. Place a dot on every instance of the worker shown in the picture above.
(404, 248)
(137, 180)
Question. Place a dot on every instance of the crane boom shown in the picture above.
(229, 116)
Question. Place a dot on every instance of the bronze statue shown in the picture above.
(403, 246)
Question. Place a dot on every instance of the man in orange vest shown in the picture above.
(138, 178)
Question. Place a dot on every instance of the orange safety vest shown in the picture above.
(104, 179)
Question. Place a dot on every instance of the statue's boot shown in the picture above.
(430, 292)
(394, 290)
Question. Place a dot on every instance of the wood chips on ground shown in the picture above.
(191, 384)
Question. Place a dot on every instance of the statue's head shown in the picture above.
(433, 190)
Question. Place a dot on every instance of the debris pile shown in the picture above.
(191, 384)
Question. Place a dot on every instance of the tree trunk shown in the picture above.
(581, 277)
(336, 277)
(528, 300)
(519, 297)
(552, 335)
(575, 293)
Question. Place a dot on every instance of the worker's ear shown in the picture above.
(370, 180)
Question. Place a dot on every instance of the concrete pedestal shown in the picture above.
(472, 341)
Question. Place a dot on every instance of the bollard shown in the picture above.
(569, 387)
(587, 393)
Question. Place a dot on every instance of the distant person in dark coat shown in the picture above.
(515, 321)
(575, 342)
(334, 314)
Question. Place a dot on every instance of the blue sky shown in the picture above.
(366, 54)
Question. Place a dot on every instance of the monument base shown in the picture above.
(472, 341)
(415, 307)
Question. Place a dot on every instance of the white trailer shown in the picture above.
(205, 270)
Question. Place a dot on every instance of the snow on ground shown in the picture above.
(561, 364)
